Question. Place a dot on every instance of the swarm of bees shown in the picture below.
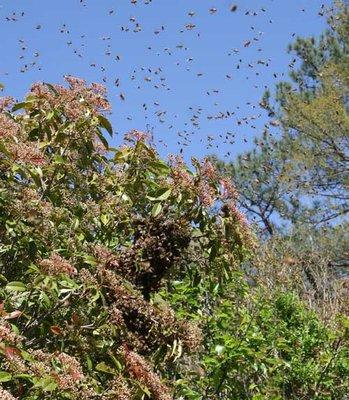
(180, 72)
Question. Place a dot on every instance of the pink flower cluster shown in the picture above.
(119, 390)
(180, 174)
(65, 370)
(77, 101)
(8, 127)
(56, 265)
(208, 170)
(206, 193)
(27, 153)
(237, 215)
(5, 395)
(228, 190)
(5, 103)
(71, 371)
(7, 335)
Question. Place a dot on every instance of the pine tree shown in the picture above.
(302, 175)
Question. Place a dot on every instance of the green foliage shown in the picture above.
(261, 346)
(276, 349)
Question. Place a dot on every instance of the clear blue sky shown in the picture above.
(161, 59)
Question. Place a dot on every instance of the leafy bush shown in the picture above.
(267, 346)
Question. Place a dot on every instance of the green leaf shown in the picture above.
(24, 376)
(159, 167)
(35, 176)
(156, 210)
(161, 194)
(16, 286)
(103, 367)
(102, 139)
(51, 87)
(76, 223)
(5, 376)
(50, 115)
(19, 106)
(116, 362)
(58, 159)
(26, 356)
(105, 219)
(95, 297)
(213, 251)
(48, 384)
(89, 260)
(145, 390)
(89, 362)
(105, 124)
(4, 150)
(122, 155)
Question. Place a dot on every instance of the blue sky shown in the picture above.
(172, 67)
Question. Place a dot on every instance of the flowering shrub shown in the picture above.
(89, 236)
(120, 273)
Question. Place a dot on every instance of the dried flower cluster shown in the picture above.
(140, 370)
